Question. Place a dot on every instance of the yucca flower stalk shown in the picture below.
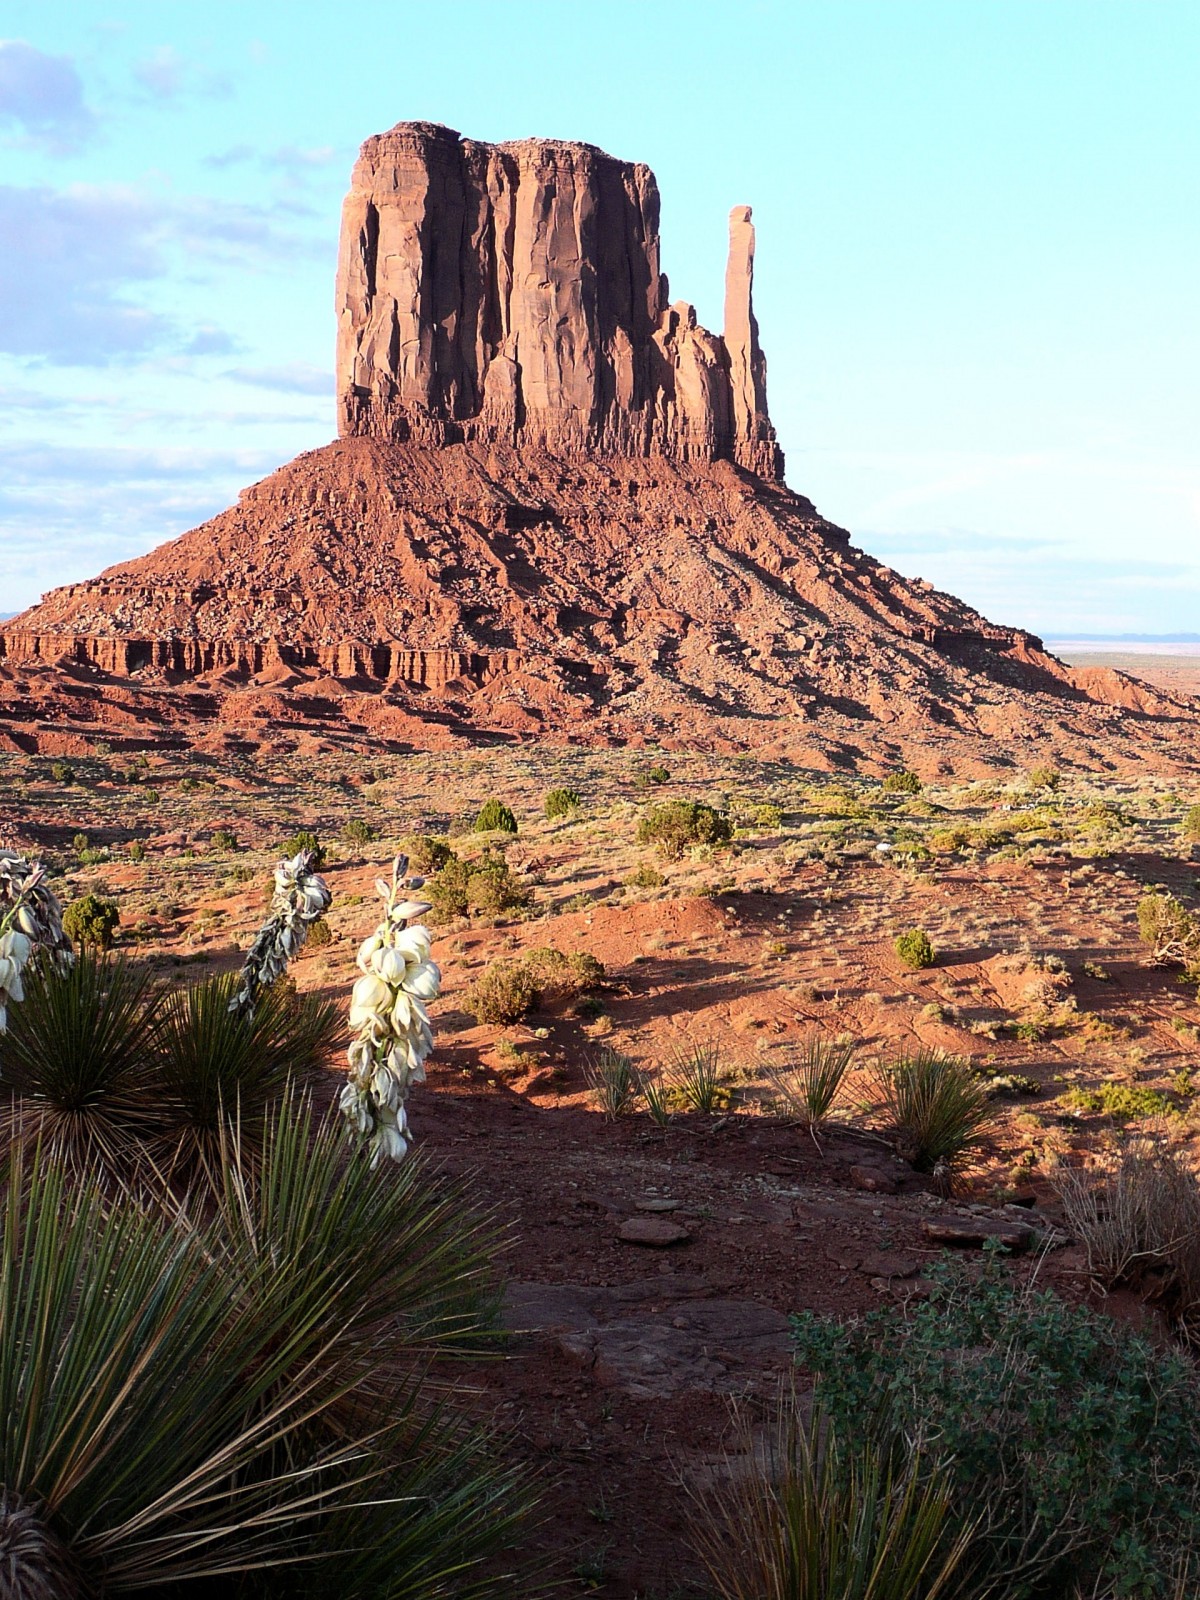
(30, 919)
(387, 1012)
(301, 897)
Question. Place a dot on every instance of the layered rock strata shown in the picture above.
(512, 294)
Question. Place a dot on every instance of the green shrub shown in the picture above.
(680, 824)
(1046, 778)
(305, 839)
(135, 850)
(1191, 824)
(320, 934)
(77, 1062)
(767, 816)
(645, 877)
(226, 840)
(80, 843)
(937, 1107)
(62, 772)
(823, 1511)
(914, 949)
(696, 1080)
(503, 993)
(1168, 928)
(358, 832)
(92, 921)
(1122, 1101)
(485, 885)
(901, 783)
(561, 803)
(1072, 1443)
(495, 817)
(543, 977)
(426, 853)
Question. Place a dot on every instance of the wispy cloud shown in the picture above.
(165, 74)
(41, 99)
(296, 377)
(77, 261)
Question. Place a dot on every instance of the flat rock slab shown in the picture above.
(712, 1345)
(656, 1204)
(972, 1233)
(658, 1233)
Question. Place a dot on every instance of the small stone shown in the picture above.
(873, 1180)
(657, 1232)
(974, 1232)
(658, 1205)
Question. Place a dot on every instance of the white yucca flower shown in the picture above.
(30, 919)
(394, 1036)
(301, 897)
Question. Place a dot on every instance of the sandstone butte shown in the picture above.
(555, 510)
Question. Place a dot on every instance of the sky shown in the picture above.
(976, 280)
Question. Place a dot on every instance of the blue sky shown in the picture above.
(978, 230)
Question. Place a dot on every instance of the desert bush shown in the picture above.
(485, 885)
(225, 840)
(1191, 824)
(76, 1065)
(901, 783)
(304, 840)
(543, 977)
(319, 934)
(1168, 929)
(811, 1084)
(561, 803)
(1123, 1101)
(680, 824)
(62, 772)
(767, 816)
(645, 877)
(614, 1082)
(1138, 1217)
(495, 817)
(92, 922)
(135, 850)
(1073, 1445)
(937, 1108)
(824, 1511)
(358, 832)
(220, 1070)
(503, 993)
(1045, 778)
(651, 775)
(426, 853)
(914, 949)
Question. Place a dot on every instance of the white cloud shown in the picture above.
(41, 99)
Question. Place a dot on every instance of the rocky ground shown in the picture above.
(652, 1269)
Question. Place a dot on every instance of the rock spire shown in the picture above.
(512, 294)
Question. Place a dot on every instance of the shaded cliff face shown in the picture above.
(512, 294)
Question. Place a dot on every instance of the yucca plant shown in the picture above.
(810, 1085)
(820, 1514)
(76, 1067)
(614, 1081)
(937, 1107)
(143, 1423)
(698, 1078)
(379, 1269)
(220, 1068)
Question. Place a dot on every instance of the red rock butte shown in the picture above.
(556, 510)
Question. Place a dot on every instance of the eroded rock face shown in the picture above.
(512, 294)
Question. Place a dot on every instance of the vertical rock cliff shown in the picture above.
(512, 294)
